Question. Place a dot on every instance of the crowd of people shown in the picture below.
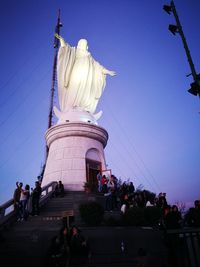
(118, 196)
(123, 196)
(70, 246)
(26, 200)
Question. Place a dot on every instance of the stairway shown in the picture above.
(58, 207)
(26, 243)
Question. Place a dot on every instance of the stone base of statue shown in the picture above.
(76, 114)
(76, 154)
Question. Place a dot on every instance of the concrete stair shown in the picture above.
(105, 244)
(58, 207)
(26, 243)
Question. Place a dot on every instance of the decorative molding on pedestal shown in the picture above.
(77, 129)
(70, 144)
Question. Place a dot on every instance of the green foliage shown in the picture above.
(139, 188)
(91, 213)
(134, 216)
(152, 215)
(192, 217)
(148, 216)
(150, 196)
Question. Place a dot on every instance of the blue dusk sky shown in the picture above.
(152, 121)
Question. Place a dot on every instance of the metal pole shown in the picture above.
(194, 74)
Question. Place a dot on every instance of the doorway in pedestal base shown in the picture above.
(92, 169)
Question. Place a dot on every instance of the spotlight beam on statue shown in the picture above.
(195, 86)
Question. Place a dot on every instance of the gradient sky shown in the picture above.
(152, 121)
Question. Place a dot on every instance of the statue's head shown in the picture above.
(82, 44)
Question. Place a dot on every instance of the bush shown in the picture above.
(91, 213)
(152, 216)
(148, 216)
(192, 217)
(133, 217)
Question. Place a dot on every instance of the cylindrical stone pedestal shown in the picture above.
(71, 145)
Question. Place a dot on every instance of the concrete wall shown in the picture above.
(69, 145)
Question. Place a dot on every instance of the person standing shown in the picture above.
(59, 189)
(79, 248)
(24, 197)
(99, 179)
(36, 193)
(16, 199)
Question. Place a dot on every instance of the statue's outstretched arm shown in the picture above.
(62, 41)
(109, 72)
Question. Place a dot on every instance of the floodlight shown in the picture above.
(167, 9)
(195, 88)
(173, 29)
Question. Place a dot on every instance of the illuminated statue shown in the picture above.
(81, 80)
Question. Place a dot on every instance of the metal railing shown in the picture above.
(184, 247)
(7, 212)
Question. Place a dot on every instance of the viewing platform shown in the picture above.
(27, 243)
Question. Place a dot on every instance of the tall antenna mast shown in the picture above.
(54, 76)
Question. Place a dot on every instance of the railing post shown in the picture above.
(2, 212)
(7, 213)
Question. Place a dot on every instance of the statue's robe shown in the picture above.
(81, 80)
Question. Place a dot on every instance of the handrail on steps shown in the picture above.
(7, 213)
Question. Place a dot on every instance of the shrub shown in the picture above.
(152, 216)
(148, 216)
(133, 216)
(91, 213)
(192, 217)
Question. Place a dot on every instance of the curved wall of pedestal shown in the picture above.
(69, 144)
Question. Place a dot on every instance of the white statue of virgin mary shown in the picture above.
(81, 82)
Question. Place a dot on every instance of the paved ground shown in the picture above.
(26, 243)
(106, 246)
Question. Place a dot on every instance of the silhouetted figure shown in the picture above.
(64, 238)
(173, 218)
(54, 254)
(141, 258)
(24, 198)
(59, 190)
(162, 201)
(36, 193)
(16, 198)
(79, 248)
(146, 259)
(99, 181)
(109, 199)
(125, 203)
(192, 217)
(131, 188)
(104, 182)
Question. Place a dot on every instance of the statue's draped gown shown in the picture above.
(81, 80)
